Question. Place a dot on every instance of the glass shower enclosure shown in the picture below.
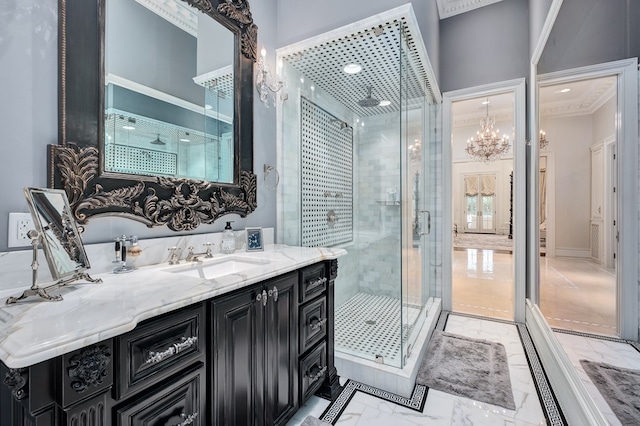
(352, 158)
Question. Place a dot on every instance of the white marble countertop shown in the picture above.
(34, 330)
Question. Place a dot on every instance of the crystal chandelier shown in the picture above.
(487, 145)
(543, 141)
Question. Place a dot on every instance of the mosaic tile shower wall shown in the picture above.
(379, 209)
(327, 178)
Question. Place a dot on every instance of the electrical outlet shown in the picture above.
(19, 226)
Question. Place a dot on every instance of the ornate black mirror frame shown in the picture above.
(74, 164)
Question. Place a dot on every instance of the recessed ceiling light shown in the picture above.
(565, 90)
(384, 103)
(486, 102)
(128, 127)
(352, 68)
(185, 140)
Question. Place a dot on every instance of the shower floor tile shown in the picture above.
(369, 326)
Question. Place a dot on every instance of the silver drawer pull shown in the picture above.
(316, 323)
(274, 292)
(316, 373)
(262, 297)
(187, 420)
(313, 284)
(174, 349)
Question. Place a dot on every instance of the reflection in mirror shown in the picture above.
(169, 160)
(577, 213)
(60, 240)
(169, 102)
(56, 231)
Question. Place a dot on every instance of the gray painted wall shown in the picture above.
(147, 49)
(588, 32)
(28, 99)
(29, 105)
(302, 19)
(485, 45)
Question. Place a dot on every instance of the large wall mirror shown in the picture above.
(156, 110)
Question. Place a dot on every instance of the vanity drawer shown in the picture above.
(177, 402)
(158, 348)
(313, 323)
(313, 281)
(313, 370)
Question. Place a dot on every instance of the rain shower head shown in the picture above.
(157, 141)
(369, 101)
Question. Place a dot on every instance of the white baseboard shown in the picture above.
(577, 405)
(572, 252)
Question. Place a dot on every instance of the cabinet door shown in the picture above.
(238, 359)
(281, 328)
(177, 402)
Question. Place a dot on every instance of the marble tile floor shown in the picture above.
(614, 351)
(445, 409)
(578, 294)
(483, 283)
(575, 293)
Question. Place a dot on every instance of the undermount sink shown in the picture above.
(216, 268)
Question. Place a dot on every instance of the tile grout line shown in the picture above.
(548, 401)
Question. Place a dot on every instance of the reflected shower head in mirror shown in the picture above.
(369, 101)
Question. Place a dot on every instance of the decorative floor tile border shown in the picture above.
(337, 407)
(550, 406)
(549, 403)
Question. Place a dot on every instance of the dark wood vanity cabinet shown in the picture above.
(254, 354)
(249, 357)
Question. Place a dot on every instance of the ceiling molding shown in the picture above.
(593, 99)
(448, 8)
(176, 12)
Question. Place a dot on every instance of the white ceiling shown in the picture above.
(584, 98)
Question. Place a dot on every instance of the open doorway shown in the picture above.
(482, 134)
(577, 206)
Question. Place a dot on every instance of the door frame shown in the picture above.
(627, 181)
(517, 87)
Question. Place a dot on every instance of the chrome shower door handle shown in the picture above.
(428, 222)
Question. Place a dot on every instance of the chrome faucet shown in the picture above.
(193, 257)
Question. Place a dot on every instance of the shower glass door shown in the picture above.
(353, 166)
(415, 216)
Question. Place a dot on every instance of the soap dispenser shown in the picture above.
(228, 244)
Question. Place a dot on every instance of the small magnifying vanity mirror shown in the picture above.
(58, 234)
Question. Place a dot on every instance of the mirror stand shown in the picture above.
(43, 291)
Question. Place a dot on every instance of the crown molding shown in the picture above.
(588, 105)
(448, 8)
(176, 12)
